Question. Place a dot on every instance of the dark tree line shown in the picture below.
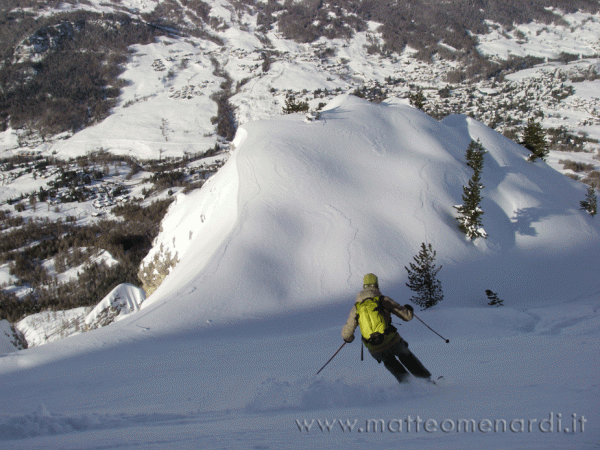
(128, 241)
(225, 119)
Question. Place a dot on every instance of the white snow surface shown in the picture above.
(50, 326)
(125, 298)
(272, 251)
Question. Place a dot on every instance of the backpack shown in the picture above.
(373, 325)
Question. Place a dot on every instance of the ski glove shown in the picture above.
(410, 308)
(350, 339)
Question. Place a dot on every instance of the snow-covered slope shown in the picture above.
(306, 208)
(271, 253)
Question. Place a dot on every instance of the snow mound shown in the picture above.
(50, 326)
(301, 211)
(121, 301)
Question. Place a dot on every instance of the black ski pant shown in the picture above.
(399, 360)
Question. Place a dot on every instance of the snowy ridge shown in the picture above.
(50, 326)
(121, 301)
(305, 209)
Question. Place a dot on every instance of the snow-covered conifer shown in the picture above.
(590, 204)
(534, 139)
(470, 212)
(474, 155)
(422, 278)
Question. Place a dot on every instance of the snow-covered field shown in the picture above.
(224, 354)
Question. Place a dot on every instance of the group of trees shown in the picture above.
(422, 273)
(422, 279)
(307, 21)
(534, 140)
(25, 248)
(417, 99)
(294, 106)
(225, 119)
(376, 93)
(73, 81)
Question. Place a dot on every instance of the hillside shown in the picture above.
(179, 74)
(303, 209)
(271, 253)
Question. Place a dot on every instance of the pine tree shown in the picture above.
(422, 278)
(417, 99)
(590, 204)
(470, 212)
(534, 140)
(474, 155)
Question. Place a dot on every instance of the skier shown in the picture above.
(372, 312)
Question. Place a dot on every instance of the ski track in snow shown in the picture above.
(354, 233)
(422, 195)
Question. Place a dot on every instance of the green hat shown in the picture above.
(371, 279)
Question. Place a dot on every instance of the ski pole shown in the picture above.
(447, 340)
(331, 358)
